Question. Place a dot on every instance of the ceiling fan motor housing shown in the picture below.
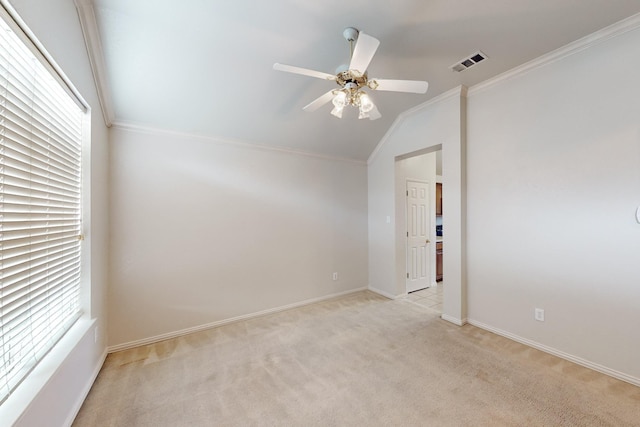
(349, 77)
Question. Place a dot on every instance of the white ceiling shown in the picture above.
(205, 66)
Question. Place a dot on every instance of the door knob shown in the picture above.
(427, 240)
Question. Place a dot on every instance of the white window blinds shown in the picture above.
(40, 159)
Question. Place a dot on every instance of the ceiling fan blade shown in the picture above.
(366, 47)
(303, 71)
(374, 114)
(319, 102)
(413, 86)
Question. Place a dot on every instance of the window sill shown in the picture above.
(22, 397)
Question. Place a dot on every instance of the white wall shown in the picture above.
(204, 231)
(553, 184)
(439, 122)
(419, 167)
(55, 23)
(552, 178)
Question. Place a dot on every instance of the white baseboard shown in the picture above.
(85, 392)
(385, 294)
(566, 356)
(454, 320)
(182, 332)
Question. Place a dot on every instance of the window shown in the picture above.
(40, 201)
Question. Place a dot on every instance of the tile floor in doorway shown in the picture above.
(429, 297)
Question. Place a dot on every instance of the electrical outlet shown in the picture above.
(95, 335)
(335, 276)
(539, 314)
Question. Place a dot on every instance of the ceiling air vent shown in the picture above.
(469, 62)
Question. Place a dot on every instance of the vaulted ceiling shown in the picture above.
(205, 66)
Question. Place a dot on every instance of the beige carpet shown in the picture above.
(361, 360)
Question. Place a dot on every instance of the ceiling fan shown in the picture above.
(354, 79)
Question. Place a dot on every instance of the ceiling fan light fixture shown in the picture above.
(354, 97)
(365, 102)
(365, 105)
(340, 99)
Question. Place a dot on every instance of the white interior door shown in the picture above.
(418, 244)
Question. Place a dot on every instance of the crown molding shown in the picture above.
(619, 28)
(134, 127)
(89, 26)
(453, 93)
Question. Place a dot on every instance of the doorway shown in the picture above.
(415, 176)
(426, 164)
